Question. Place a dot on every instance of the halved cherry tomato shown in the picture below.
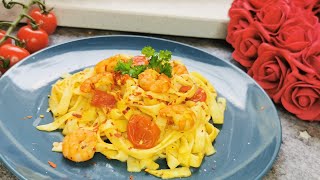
(140, 60)
(184, 89)
(47, 22)
(11, 54)
(103, 99)
(34, 39)
(200, 95)
(142, 132)
(8, 41)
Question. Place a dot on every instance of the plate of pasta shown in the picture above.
(133, 107)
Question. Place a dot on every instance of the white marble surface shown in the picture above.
(299, 156)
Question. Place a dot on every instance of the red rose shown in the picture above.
(272, 16)
(302, 98)
(316, 9)
(239, 19)
(253, 5)
(304, 4)
(302, 17)
(246, 46)
(271, 68)
(310, 60)
(297, 33)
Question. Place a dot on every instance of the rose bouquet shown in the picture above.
(278, 42)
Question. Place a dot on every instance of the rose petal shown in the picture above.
(239, 19)
(302, 99)
(246, 46)
(273, 21)
(294, 99)
(305, 101)
(288, 103)
(308, 91)
(313, 113)
(272, 72)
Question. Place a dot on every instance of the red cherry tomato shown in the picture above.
(200, 95)
(142, 132)
(34, 39)
(184, 89)
(2, 33)
(47, 22)
(103, 99)
(12, 53)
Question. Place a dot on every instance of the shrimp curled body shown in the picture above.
(151, 80)
(179, 68)
(179, 117)
(80, 145)
(105, 79)
(109, 64)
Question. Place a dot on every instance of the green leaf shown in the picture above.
(154, 62)
(148, 51)
(166, 69)
(160, 62)
(5, 63)
(123, 67)
(128, 68)
(136, 70)
(165, 55)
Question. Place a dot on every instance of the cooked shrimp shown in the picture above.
(179, 68)
(91, 83)
(109, 64)
(151, 80)
(179, 117)
(80, 145)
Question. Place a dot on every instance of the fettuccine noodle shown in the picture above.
(96, 107)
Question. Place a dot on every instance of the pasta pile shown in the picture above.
(101, 110)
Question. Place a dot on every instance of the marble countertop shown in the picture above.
(299, 156)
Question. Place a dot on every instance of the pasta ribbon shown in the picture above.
(178, 108)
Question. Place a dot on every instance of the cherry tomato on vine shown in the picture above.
(46, 21)
(2, 33)
(11, 54)
(142, 132)
(34, 39)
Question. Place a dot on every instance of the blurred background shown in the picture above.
(201, 18)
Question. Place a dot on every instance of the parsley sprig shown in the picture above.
(128, 68)
(159, 61)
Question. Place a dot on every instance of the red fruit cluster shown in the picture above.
(34, 38)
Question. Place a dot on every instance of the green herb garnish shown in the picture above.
(148, 51)
(159, 61)
(128, 68)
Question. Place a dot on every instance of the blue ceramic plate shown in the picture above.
(246, 146)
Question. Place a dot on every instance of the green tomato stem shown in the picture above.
(4, 23)
(43, 7)
(33, 23)
(25, 9)
(9, 5)
(5, 63)
(17, 41)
